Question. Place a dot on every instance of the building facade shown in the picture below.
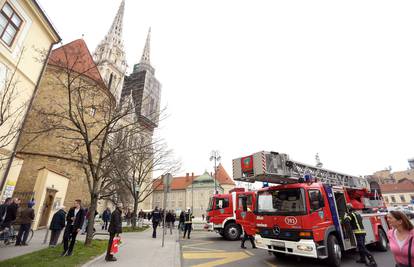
(398, 194)
(192, 191)
(51, 172)
(24, 31)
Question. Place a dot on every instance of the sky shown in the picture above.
(297, 77)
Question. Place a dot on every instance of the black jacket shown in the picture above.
(3, 209)
(115, 226)
(182, 217)
(169, 217)
(156, 216)
(106, 215)
(80, 217)
(11, 214)
(355, 219)
(58, 220)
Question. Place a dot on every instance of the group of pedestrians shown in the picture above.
(12, 214)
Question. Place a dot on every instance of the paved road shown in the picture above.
(206, 249)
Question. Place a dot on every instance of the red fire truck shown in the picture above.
(302, 214)
(221, 216)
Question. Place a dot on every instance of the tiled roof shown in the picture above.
(182, 182)
(76, 56)
(402, 186)
(223, 177)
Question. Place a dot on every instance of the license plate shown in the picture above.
(277, 244)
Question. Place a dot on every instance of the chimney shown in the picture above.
(187, 176)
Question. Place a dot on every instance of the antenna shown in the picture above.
(319, 164)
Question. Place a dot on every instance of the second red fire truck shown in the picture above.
(222, 211)
(302, 215)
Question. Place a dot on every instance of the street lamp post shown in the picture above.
(215, 155)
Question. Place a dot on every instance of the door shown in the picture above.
(47, 207)
(318, 214)
(244, 211)
(348, 236)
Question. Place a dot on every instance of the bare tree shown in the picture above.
(132, 171)
(83, 122)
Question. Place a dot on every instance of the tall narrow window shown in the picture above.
(10, 24)
(110, 81)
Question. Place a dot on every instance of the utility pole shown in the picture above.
(167, 178)
(215, 155)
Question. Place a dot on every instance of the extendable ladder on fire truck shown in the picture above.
(277, 168)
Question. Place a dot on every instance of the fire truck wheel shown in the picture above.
(334, 252)
(382, 244)
(221, 232)
(232, 232)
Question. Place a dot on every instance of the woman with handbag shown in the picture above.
(401, 238)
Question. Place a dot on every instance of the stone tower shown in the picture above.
(144, 89)
(110, 55)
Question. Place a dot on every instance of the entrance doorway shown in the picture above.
(349, 239)
(47, 207)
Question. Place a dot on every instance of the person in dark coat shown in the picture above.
(74, 219)
(56, 226)
(115, 228)
(106, 216)
(181, 221)
(156, 219)
(188, 223)
(25, 220)
(9, 218)
(355, 219)
(3, 208)
(169, 220)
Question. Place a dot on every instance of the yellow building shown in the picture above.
(26, 39)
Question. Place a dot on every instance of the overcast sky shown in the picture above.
(299, 77)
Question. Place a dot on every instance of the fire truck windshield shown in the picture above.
(282, 202)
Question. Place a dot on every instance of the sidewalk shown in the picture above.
(140, 249)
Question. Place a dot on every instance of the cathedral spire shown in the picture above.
(145, 58)
(110, 55)
(145, 63)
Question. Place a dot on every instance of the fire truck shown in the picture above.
(302, 215)
(221, 212)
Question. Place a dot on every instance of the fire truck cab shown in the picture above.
(222, 209)
(303, 216)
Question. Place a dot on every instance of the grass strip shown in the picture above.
(51, 256)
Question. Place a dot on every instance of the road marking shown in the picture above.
(189, 249)
(224, 257)
(248, 252)
(197, 244)
(270, 264)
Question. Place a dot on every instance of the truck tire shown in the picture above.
(334, 251)
(232, 232)
(382, 244)
(221, 232)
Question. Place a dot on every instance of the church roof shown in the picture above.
(223, 177)
(77, 57)
(180, 182)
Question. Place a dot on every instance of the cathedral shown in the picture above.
(141, 86)
(47, 174)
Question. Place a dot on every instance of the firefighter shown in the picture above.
(355, 219)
